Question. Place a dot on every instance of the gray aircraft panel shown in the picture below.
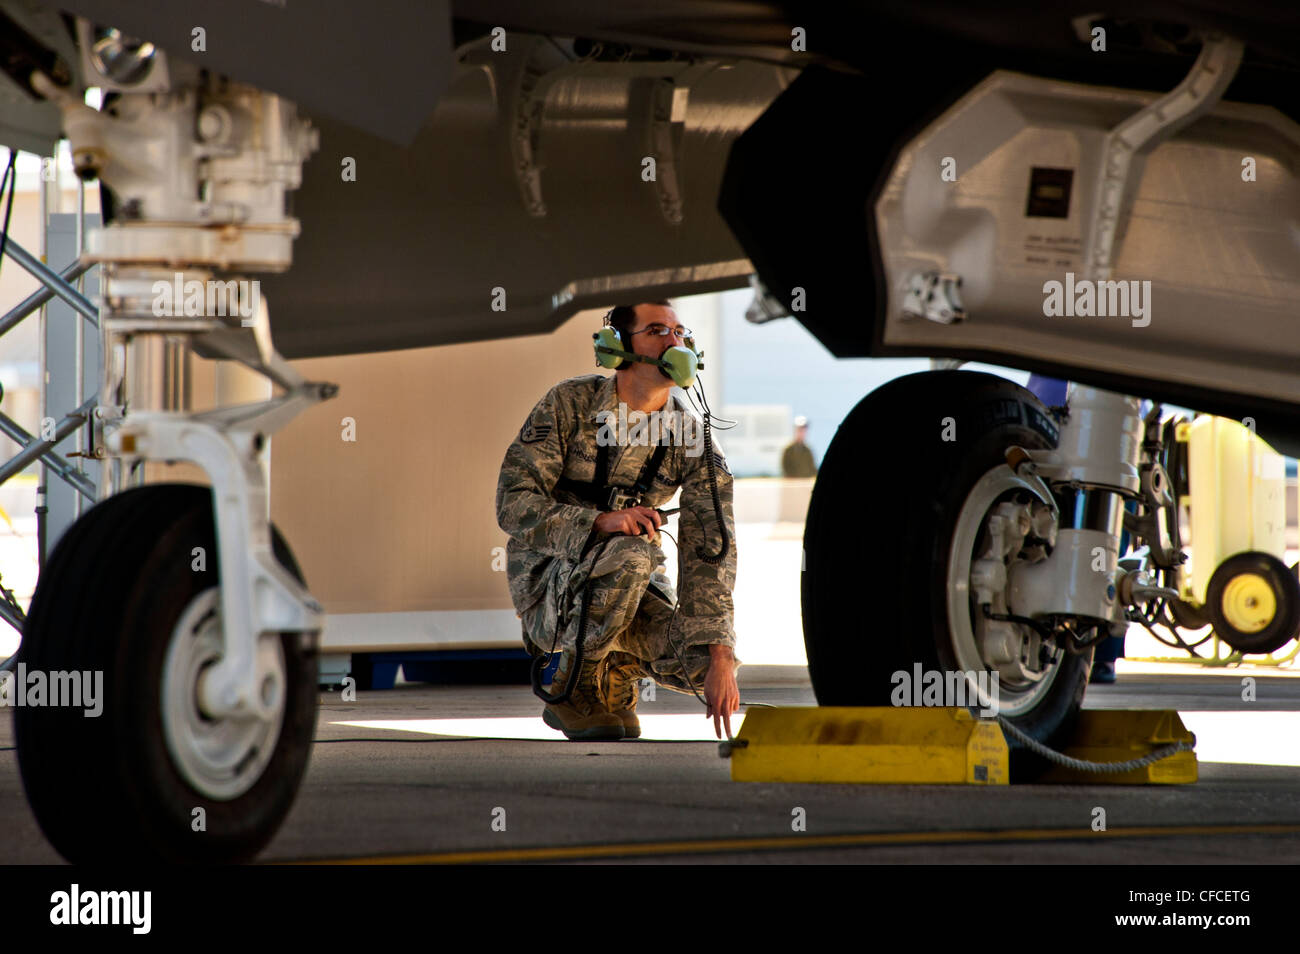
(411, 252)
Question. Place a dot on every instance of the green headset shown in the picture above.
(679, 363)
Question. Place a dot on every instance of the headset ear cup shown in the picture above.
(608, 338)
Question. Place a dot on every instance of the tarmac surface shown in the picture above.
(433, 774)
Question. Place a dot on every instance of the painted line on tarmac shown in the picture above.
(798, 843)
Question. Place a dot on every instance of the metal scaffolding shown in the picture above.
(67, 285)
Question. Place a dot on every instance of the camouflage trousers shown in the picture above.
(630, 609)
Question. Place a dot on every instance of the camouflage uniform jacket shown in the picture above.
(545, 522)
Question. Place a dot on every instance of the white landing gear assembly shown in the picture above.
(184, 597)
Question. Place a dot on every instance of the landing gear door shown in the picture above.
(987, 214)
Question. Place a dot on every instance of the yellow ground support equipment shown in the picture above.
(1234, 508)
(1236, 500)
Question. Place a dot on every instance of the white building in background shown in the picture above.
(755, 443)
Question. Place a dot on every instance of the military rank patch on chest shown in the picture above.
(532, 433)
(720, 463)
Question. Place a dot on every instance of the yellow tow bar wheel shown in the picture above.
(1249, 603)
(1253, 602)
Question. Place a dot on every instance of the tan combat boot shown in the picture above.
(620, 686)
(583, 717)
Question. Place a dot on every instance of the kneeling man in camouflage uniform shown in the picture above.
(563, 497)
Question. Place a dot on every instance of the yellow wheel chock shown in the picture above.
(1117, 735)
(941, 746)
(868, 744)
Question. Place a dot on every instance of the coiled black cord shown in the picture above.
(712, 559)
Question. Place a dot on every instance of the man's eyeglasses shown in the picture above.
(663, 331)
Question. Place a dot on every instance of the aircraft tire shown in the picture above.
(126, 594)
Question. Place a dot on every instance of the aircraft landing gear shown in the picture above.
(181, 602)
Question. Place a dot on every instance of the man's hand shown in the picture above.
(721, 693)
(630, 520)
